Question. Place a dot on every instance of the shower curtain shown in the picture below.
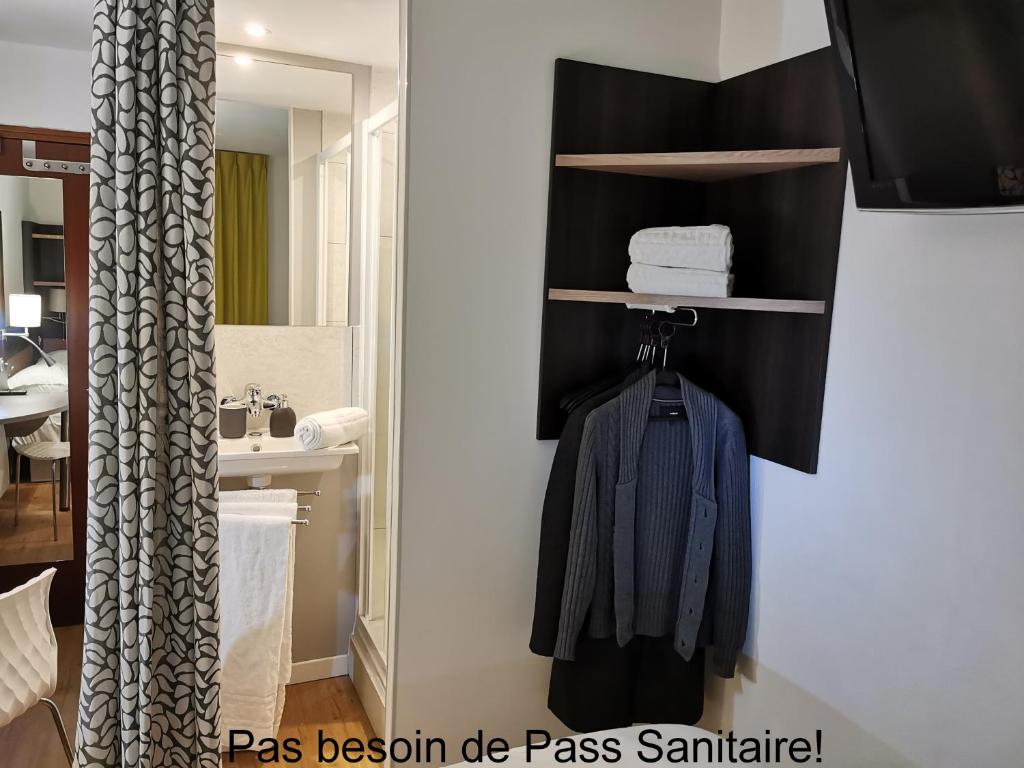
(150, 672)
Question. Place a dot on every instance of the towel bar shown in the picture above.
(305, 508)
(309, 493)
(303, 522)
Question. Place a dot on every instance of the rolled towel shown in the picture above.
(330, 428)
(643, 278)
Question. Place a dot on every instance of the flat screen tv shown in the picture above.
(933, 98)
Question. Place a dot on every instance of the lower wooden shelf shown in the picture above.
(793, 306)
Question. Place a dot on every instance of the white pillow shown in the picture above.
(41, 377)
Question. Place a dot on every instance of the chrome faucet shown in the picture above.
(255, 402)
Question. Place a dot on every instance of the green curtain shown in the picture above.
(240, 238)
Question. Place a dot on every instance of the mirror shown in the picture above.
(35, 514)
(283, 141)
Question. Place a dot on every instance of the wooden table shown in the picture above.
(39, 405)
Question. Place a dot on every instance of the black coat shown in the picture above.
(606, 686)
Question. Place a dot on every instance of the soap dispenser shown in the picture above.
(282, 419)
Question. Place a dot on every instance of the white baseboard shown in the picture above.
(368, 679)
(319, 669)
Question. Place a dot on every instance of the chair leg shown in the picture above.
(59, 723)
(17, 486)
(53, 495)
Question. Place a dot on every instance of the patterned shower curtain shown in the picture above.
(150, 673)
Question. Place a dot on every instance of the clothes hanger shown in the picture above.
(667, 377)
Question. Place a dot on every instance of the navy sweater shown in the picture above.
(660, 536)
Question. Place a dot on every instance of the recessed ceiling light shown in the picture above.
(253, 29)
(243, 59)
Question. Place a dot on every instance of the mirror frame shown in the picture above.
(68, 589)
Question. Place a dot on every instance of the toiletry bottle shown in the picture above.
(282, 420)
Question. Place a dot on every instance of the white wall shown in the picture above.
(759, 32)
(13, 211)
(473, 474)
(306, 141)
(244, 127)
(887, 608)
(44, 87)
(888, 601)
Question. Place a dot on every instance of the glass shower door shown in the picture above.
(382, 197)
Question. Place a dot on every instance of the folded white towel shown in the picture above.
(330, 428)
(713, 234)
(717, 258)
(284, 495)
(257, 560)
(651, 307)
(259, 508)
(643, 278)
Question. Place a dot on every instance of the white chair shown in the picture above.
(28, 653)
(42, 450)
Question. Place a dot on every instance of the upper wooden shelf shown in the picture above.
(46, 236)
(702, 166)
(792, 306)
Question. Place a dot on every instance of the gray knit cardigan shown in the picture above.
(642, 560)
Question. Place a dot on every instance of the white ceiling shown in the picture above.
(280, 85)
(57, 23)
(359, 31)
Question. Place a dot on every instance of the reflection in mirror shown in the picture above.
(282, 193)
(35, 514)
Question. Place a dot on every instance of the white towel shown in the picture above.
(683, 247)
(5, 467)
(713, 234)
(257, 564)
(258, 508)
(716, 258)
(330, 428)
(284, 495)
(643, 278)
(651, 307)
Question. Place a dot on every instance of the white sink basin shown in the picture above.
(278, 456)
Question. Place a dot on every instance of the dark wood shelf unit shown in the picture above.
(702, 166)
(632, 150)
(745, 303)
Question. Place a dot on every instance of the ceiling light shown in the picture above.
(243, 59)
(256, 30)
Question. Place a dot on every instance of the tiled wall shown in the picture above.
(312, 365)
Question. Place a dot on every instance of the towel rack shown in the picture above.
(309, 493)
(305, 508)
(303, 522)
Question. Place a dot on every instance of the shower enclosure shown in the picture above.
(378, 362)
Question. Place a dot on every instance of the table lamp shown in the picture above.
(24, 310)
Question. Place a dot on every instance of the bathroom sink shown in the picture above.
(277, 456)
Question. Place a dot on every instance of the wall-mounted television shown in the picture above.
(933, 98)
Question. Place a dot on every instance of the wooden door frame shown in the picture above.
(67, 599)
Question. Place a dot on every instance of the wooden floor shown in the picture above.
(31, 541)
(31, 741)
(329, 705)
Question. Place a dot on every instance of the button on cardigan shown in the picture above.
(660, 535)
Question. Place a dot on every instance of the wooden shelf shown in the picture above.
(702, 166)
(46, 236)
(48, 283)
(792, 306)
